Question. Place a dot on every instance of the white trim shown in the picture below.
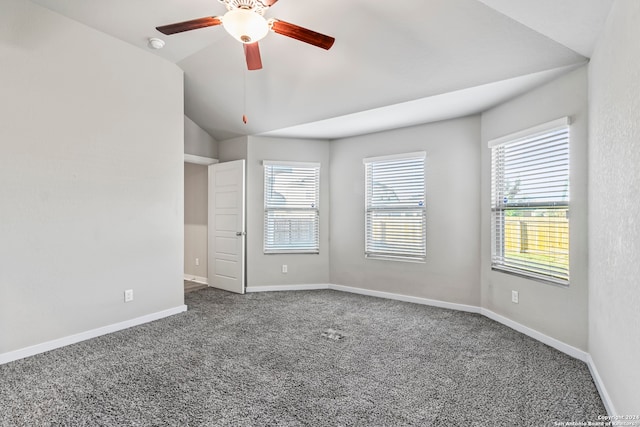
(604, 395)
(86, 335)
(199, 160)
(531, 132)
(197, 279)
(539, 336)
(276, 288)
(407, 298)
(292, 164)
(545, 339)
(414, 155)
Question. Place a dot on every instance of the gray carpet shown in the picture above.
(313, 358)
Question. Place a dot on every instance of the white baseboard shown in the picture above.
(196, 279)
(545, 339)
(552, 342)
(604, 394)
(361, 291)
(407, 298)
(308, 287)
(82, 336)
(539, 336)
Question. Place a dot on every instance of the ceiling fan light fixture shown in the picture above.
(245, 25)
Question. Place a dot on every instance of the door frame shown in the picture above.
(203, 161)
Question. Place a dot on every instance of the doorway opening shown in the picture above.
(196, 190)
(214, 224)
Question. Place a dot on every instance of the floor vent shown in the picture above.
(332, 334)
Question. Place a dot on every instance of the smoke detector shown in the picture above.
(155, 43)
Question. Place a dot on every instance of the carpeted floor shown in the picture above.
(312, 358)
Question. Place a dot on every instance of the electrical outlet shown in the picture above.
(514, 297)
(128, 295)
(284, 269)
(197, 261)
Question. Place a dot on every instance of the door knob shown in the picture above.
(240, 233)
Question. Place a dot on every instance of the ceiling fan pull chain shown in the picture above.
(244, 95)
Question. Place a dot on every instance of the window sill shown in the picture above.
(292, 253)
(534, 277)
(391, 258)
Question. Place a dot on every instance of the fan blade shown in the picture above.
(302, 34)
(268, 3)
(194, 24)
(252, 54)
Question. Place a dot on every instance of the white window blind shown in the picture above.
(530, 203)
(395, 212)
(291, 212)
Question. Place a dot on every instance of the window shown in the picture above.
(395, 212)
(530, 203)
(291, 213)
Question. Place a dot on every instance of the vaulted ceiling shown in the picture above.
(394, 63)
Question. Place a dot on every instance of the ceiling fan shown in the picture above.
(245, 21)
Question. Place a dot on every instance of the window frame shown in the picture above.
(538, 271)
(415, 252)
(270, 247)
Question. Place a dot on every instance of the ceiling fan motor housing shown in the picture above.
(255, 5)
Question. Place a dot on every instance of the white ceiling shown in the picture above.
(393, 64)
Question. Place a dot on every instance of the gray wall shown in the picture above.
(264, 270)
(197, 141)
(451, 272)
(559, 312)
(91, 169)
(233, 149)
(614, 206)
(195, 220)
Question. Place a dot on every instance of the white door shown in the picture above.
(226, 226)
